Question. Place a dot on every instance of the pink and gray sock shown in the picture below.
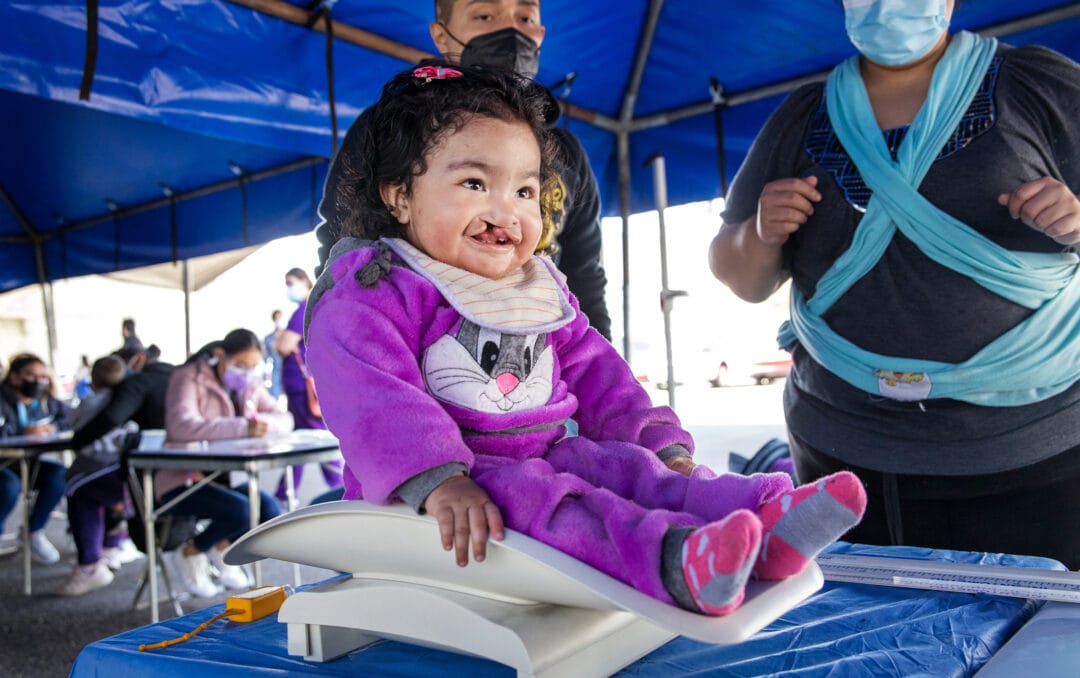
(716, 560)
(800, 523)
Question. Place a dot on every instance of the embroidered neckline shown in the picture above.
(826, 150)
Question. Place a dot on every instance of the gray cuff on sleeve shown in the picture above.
(672, 451)
(415, 490)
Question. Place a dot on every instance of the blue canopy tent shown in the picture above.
(205, 125)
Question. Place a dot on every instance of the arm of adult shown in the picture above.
(580, 239)
(748, 256)
(1046, 89)
(270, 412)
(184, 422)
(127, 398)
(287, 343)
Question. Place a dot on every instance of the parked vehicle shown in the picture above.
(762, 370)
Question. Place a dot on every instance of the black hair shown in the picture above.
(299, 274)
(107, 371)
(443, 9)
(413, 115)
(237, 341)
(20, 361)
(129, 350)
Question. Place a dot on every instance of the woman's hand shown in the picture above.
(39, 429)
(1046, 205)
(784, 206)
(257, 428)
(684, 465)
(465, 513)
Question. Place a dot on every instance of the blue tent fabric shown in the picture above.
(842, 630)
(182, 89)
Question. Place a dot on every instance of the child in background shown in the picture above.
(95, 490)
(448, 359)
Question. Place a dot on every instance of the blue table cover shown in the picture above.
(842, 630)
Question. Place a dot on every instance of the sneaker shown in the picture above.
(117, 556)
(230, 576)
(9, 543)
(194, 573)
(42, 550)
(86, 578)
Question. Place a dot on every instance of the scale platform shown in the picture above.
(528, 606)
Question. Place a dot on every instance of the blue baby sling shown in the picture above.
(1036, 359)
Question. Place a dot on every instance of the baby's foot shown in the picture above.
(798, 524)
(717, 559)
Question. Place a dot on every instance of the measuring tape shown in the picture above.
(1015, 582)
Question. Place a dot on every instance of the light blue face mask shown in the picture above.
(895, 32)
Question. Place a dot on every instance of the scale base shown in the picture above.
(535, 639)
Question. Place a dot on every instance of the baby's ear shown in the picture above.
(396, 199)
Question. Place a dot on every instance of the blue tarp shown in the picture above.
(842, 630)
(183, 88)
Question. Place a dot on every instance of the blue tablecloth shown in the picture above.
(842, 630)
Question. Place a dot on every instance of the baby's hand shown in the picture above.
(465, 511)
(1046, 205)
(684, 465)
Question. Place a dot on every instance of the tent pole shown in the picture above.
(622, 139)
(50, 319)
(623, 145)
(187, 307)
(667, 295)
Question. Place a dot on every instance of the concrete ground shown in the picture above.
(41, 635)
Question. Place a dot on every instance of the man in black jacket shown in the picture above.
(508, 33)
(140, 397)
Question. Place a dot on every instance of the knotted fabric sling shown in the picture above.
(1036, 359)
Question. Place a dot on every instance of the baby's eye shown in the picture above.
(527, 192)
(473, 184)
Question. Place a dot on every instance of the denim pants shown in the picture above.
(228, 511)
(49, 483)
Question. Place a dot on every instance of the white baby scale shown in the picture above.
(527, 605)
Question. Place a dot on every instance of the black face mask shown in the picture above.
(506, 48)
(33, 389)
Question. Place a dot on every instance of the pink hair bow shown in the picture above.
(429, 73)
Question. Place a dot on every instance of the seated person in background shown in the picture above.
(448, 358)
(26, 392)
(217, 394)
(95, 489)
(140, 397)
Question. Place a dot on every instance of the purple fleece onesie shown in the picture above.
(382, 343)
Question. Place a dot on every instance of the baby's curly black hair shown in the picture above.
(411, 117)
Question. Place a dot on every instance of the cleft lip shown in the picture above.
(498, 235)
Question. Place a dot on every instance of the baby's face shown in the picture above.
(477, 207)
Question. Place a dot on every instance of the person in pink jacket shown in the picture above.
(217, 394)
